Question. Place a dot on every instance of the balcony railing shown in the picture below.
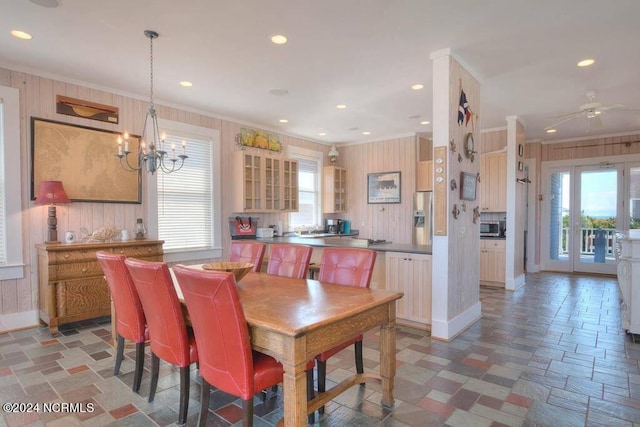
(588, 241)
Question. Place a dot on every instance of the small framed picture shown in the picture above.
(520, 166)
(467, 186)
(520, 150)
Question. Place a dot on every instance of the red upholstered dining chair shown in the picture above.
(169, 338)
(289, 260)
(130, 321)
(349, 267)
(248, 251)
(226, 358)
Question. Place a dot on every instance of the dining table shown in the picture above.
(293, 320)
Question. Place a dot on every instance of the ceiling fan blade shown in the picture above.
(569, 115)
(566, 119)
(594, 123)
(610, 107)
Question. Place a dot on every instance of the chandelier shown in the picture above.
(151, 151)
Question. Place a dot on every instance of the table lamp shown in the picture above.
(52, 192)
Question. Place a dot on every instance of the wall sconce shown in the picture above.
(52, 192)
(333, 154)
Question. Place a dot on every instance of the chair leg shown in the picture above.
(184, 394)
(247, 412)
(205, 389)
(359, 362)
(311, 418)
(322, 378)
(119, 354)
(137, 376)
(155, 370)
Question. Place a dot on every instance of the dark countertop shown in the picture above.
(337, 240)
(493, 238)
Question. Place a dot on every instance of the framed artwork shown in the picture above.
(84, 159)
(520, 150)
(520, 166)
(383, 187)
(467, 186)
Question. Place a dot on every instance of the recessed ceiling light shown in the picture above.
(278, 92)
(341, 106)
(283, 121)
(425, 122)
(21, 35)
(586, 62)
(417, 86)
(322, 134)
(185, 83)
(279, 39)
(551, 131)
(366, 132)
(597, 112)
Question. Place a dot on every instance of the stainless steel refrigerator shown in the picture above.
(422, 217)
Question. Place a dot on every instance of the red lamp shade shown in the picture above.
(51, 192)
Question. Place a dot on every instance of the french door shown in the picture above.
(582, 209)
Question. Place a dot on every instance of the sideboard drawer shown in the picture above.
(75, 270)
(139, 251)
(72, 255)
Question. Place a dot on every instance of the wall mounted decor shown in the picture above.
(455, 211)
(467, 186)
(440, 194)
(259, 139)
(469, 147)
(82, 158)
(88, 110)
(520, 150)
(383, 187)
(452, 146)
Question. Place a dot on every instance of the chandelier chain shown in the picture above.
(151, 70)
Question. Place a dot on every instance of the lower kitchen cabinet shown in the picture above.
(492, 261)
(411, 274)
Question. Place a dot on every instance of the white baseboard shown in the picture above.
(517, 283)
(22, 320)
(447, 330)
(533, 268)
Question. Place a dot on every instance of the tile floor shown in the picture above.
(549, 354)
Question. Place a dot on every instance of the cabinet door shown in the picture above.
(492, 260)
(247, 182)
(290, 185)
(273, 184)
(410, 274)
(493, 182)
(424, 176)
(334, 189)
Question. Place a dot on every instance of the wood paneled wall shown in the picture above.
(37, 98)
(494, 140)
(392, 222)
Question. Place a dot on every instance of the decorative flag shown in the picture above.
(464, 112)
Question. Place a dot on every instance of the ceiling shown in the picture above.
(364, 54)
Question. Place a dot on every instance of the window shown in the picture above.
(188, 201)
(11, 263)
(309, 179)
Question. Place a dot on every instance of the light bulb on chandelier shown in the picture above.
(151, 151)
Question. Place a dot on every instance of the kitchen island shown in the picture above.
(399, 267)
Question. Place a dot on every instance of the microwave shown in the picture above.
(490, 229)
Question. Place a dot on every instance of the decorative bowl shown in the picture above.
(239, 269)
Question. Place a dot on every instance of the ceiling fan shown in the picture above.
(591, 110)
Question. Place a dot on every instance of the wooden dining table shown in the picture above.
(293, 320)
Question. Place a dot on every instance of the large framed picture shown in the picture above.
(84, 159)
(383, 187)
(467, 186)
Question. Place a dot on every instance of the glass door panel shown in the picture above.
(559, 240)
(596, 201)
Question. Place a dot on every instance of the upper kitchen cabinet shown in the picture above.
(424, 175)
(264, 183)
(493, 182)
(334, 189)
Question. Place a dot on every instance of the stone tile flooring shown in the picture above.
(549, 354)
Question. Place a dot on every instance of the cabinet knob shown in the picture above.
(66, 255)
(84, 270)
(121, 251)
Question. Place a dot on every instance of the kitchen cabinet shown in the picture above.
(424, 175)
(334, 189)
(262, 183)
(493, 182)
(71, 284)
(492, 260)
(411, 274)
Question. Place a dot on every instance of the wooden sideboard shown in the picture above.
(71, 285)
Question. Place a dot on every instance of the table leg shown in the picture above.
(388, 361)
(295, 396)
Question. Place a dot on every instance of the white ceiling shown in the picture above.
(362, 53)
